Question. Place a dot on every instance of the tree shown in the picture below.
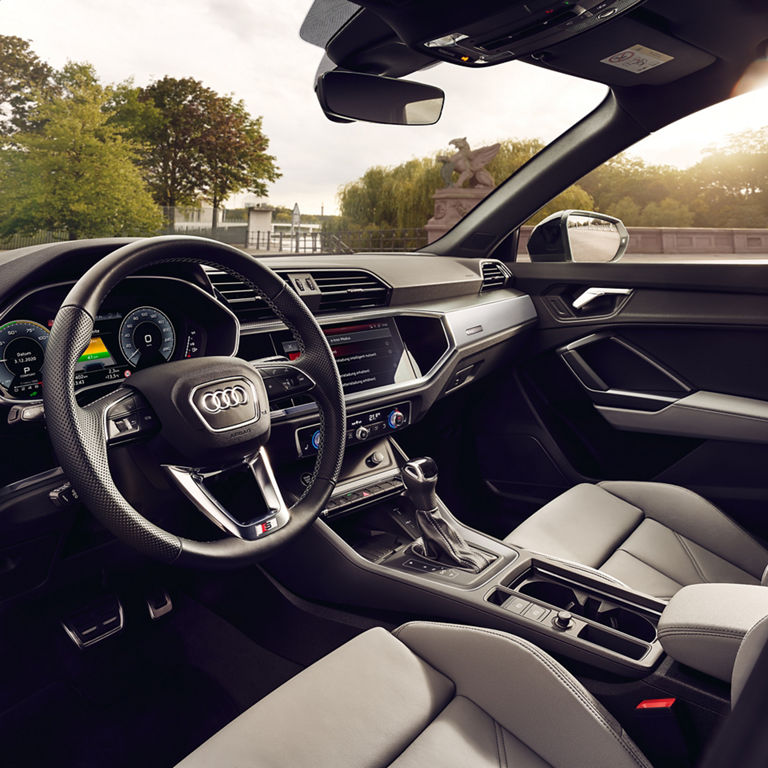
(23, 79)
(732, 182)
(166, 119)
(75, 172)
(666, 213)
(400, 197)
(232, 153)
(195, 143)
(627, 210)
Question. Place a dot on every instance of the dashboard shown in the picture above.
(405, 330)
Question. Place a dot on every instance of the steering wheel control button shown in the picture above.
(563, 620)
(128, 418)
(282, 382)
(226, 404)
(317, 439)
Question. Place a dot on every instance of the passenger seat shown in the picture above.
(653, 537)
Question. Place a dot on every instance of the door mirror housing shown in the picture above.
(578, 236)
(347, 96)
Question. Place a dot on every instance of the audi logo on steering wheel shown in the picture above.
(224, 399)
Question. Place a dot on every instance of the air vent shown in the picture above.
(341, 291)
(241, 299)
(495, 276)
(350, 289)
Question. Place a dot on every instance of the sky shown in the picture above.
(252, 49)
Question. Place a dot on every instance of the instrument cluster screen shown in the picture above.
(369, 354)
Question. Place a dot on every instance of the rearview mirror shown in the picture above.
(377, 99)
(578, 236)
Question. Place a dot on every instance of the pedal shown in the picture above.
(159, 603)
(96, 622)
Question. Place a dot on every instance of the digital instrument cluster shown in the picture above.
(127, 336)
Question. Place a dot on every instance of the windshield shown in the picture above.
(199, 118)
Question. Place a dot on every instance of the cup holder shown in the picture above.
(628, 622)
(554, 594)
(582, 604)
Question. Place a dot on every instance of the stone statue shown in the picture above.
(469, 164)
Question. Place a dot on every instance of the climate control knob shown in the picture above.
(395, 418)
(362, 433)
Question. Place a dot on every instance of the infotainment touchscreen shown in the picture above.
(369, 354)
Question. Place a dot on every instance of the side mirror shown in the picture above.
(578, 236)
(377, 99)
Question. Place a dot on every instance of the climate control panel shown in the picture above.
(360, 427)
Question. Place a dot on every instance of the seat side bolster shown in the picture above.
(527, 692)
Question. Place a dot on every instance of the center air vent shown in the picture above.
(240, 298)
(495, 275)
(343, 290)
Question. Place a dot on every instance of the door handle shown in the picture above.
(595, 293)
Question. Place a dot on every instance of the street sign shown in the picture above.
(295, 218)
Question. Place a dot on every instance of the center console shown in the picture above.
(365, 552)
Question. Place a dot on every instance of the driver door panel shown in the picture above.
(666, 382)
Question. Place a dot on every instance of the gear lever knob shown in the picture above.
(420, 480)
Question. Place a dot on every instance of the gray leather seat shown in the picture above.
(426, 695)
(655, 538)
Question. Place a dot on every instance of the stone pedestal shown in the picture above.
(452, 204)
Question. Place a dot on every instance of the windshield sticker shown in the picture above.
(637, 59)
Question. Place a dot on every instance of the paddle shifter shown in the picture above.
(439, 541)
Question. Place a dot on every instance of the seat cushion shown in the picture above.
(428, 694)
(360, 706)
(655, 538)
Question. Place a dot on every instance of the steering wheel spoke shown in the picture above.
(248, 521)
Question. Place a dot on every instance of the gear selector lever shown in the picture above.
(440, 540)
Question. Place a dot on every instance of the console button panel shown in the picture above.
(360, 427)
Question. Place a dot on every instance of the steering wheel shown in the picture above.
(197, 417)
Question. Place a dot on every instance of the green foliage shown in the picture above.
(195, 143)
(666, 213)
(75, 172)
(400, 197)
(23, 78)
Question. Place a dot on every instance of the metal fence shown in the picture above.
(337, 242)
(384, 240)
(38, 238)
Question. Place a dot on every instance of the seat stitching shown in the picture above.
(701, 632)
(565, 678)
(501, 747)
(691, 557)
